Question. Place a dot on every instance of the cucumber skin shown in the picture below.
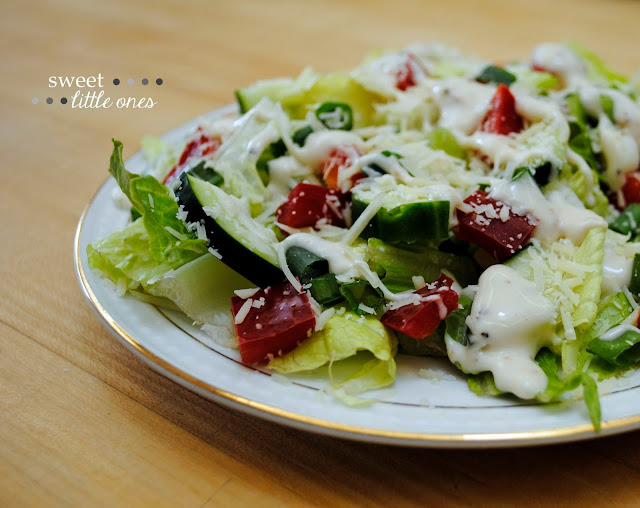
(235, 255)
(403, 223)
(242, 104)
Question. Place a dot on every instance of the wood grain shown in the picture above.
(84, 422)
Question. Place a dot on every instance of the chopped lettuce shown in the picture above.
(483, 384)
(169, 238)
(597, 70)
(399, 265)
(199, 286)
(538, 80)
(237, 164)
(341, 338)
(125, 257)
(590, 254)
(588, 192)
(121, 175)
(443, 139)
(157, 243)
(592, 400)
(558, 384)
(550, 364)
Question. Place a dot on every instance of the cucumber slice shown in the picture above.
(407, 213)
(243, 244)
(305, 93)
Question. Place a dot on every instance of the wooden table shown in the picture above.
(83, 421)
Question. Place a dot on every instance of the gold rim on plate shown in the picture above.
(313, 424)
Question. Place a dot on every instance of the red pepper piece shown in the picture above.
(404, 76)
(339, 158)
(631, 189)
(200, 146)
(539, 68)
(502, 118)
(284, 319)
(480, 223)
(308, 203)
(421, 320)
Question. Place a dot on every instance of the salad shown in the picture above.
(425, 203)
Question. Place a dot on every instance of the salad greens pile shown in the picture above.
(425, 203)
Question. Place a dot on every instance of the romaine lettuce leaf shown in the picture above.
(168, 236)
(121, 175)
(125, 258)
(556, 385)
(590, 254)
(541, 81)
(199, 286)
(343, 337)
(483, 384)
(591, 195)
(591, 399)
(598, 71)
(401, 264)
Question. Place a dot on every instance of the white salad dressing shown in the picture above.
(463, 104)
(509, 322)
(263, 139)
(616, 272)
(559, 59)
(620, 152)
(619, 143)
(284, 173)
(626, 112)
(343, 260)
(319, 145)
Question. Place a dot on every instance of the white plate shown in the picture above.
(415, 411)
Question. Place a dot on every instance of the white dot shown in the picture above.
(34, 100)
(130, 81)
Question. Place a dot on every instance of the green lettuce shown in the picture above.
(591, 195)
(200, 286)
(238, 166)
(558, 383)
(169, 238)
(483, 384)
(597, 70)
(539, 80)
(145, 251)
(590, 253)
(443, 139)
(343, 337)
(125, 257)
(399, 265)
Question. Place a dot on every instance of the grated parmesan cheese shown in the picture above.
(243, 312)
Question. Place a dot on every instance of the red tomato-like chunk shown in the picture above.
(271, 322)
(492, 225)
(404, 76)
(631, 189)
(308, 203)
(502, 118)
(419, 320)
(338, 159)
(202, 145)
